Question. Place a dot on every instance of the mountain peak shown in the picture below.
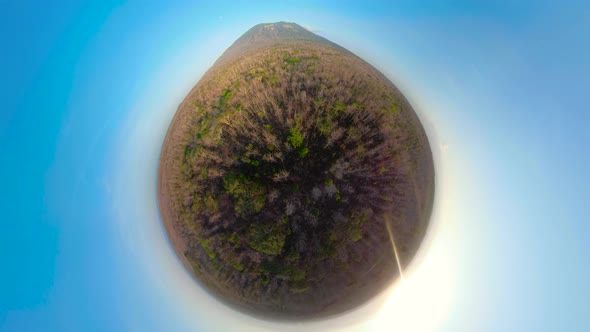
(287, 30)
(268, 34)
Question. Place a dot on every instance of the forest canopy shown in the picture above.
(280, 171)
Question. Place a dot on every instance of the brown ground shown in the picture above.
(375, 270)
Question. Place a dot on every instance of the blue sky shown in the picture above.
(88, 89)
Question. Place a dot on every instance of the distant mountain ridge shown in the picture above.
(267, 34)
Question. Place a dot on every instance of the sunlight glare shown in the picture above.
(420, 301)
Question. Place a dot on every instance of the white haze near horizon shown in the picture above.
(141, 234)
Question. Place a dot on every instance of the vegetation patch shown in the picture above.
(283, 170)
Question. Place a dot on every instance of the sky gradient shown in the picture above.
(88, 90)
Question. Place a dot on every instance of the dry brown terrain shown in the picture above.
(281, 170)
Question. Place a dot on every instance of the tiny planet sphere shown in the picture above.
(287, 171)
